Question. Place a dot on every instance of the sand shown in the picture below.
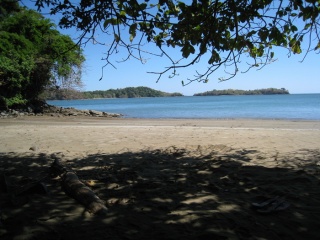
(163, 179)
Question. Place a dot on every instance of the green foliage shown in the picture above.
(15, 68)
(34, 56)
(129, 92)
(62, 94)
(220, 32)
(7, 7)
(265, 91)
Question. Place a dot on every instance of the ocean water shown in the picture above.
(292, 106)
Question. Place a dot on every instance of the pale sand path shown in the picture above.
(74, 136)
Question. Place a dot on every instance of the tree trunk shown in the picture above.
(77, 190)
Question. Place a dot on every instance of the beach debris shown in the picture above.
(33, 148)
(3, 230)
(263, 201)
(4, 184)
(263, 204)
(77, 189)
(37, 187)
(18, 196)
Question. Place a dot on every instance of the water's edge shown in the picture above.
(293, 106)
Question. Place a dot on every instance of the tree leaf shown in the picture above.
(294, 28)
(106, 23)
(271, 54)
(132, 31)
(116, 37)
(187, 49)
(308, 25)
(296, 48)
(143, 6)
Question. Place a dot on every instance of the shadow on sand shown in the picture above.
(203, 193)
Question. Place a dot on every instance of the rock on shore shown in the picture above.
(54, 111)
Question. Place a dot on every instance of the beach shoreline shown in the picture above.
(165, 178)
(92, 134)
(156, 121)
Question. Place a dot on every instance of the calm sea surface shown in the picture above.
(293, 106)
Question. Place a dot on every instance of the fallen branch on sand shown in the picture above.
(78, 190)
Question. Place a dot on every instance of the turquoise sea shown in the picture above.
(292, 106)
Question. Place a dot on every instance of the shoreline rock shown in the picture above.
(54, 111)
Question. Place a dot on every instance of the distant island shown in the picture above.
(264, 91)
(141, 92)
(129, 92)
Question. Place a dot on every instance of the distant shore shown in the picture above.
(138, 92)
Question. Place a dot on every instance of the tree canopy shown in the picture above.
(236, 34)
(34, 55)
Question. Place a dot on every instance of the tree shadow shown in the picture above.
(170, 193)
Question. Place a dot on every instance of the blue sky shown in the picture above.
(289, 73)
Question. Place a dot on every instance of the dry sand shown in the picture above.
(163, 179)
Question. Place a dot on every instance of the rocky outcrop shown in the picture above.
(54, 111)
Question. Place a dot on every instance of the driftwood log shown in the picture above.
(78, 190)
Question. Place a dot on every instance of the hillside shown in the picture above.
(264, 91)
(129, 92)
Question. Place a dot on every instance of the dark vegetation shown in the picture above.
(34, 56)
(265, 91)
(129, 92)
(138, 92)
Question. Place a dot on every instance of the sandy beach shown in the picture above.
(163, 178)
